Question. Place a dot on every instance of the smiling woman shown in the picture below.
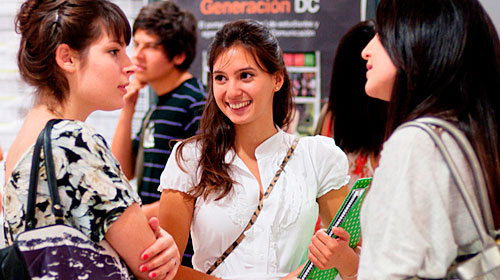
(214, 181)
(243, 90)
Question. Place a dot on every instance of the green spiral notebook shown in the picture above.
(347, 218)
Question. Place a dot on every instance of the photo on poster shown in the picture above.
(303, 84)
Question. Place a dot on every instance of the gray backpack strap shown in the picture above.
(483, 223)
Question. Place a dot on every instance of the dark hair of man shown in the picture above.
(448, 64)
(45, 24)
(217, 134)
(175, 28)
(358, 120)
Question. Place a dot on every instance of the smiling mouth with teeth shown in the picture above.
(239, 105)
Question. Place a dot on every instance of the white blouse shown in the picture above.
(277, 243)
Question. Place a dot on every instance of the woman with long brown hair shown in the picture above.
(215, 180)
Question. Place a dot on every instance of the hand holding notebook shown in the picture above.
(327, 252)
(347, 218)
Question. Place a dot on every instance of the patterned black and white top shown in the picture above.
(93, 189)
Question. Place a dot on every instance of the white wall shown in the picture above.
(493, 9)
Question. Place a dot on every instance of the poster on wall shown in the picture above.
(308, 32)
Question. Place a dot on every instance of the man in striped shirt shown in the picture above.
(164, 39)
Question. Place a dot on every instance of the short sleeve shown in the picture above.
(330, 163)
(95, 186)
(184, 176)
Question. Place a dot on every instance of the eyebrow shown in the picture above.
(237, 71)
(150, 43)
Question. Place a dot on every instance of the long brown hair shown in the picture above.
(45, 24)
(217, 134)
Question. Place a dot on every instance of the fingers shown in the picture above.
(322, 236)
(162, 258)
(341, 233)
(171, 274)
(326, 252)
(317, 258)
(154, 223)
(162, 244)
(133, 92)
(323, 241)
(322, 249)
(135, 85)
(165, 265)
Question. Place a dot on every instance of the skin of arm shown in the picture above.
(151, 210)
(122, 142)
(176, 214)
(132, 225)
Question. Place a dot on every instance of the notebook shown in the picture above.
(347, 218)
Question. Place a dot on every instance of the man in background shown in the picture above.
(164, 38)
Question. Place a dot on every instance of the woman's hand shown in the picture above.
(326, 252)
(162, 258)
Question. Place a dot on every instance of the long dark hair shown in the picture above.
(447, 55)
(359, 120)
(45, 24)
(217, 134)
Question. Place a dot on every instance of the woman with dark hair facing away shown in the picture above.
(73, 53)
(436, 58)
(213, 182)
(355, 120)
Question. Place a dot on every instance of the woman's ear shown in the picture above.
(279, 79)
(66, 58)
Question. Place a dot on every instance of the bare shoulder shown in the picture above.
(25, 138)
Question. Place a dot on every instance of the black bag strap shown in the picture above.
(43, 142)
(257, 211)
